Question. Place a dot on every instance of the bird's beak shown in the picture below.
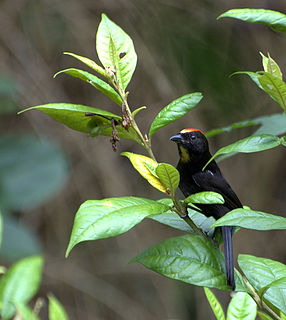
(177, 138)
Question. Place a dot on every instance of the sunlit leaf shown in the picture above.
(99, 219)
(90, 63)
(56, 310)
(139, 163)
(274, 19)
(264, 316)
(261, 272)
(190, 258)
(241, 306)
(19, 284)
(93, 80)
(250, 219)
(175, 110)
(115, 50)
(249, 144)
(270, 66)
(168, 175)
(215, 305)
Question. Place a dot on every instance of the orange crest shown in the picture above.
(191, 130)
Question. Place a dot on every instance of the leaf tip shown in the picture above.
(126, 154)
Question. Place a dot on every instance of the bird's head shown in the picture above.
(192, 143)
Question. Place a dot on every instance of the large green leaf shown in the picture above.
(261, 272)
(169, 176)
(99, 219)
(249, 144)
(19, 284)
(274, 19)
(56, 310)
(115, 50)
(274, 124)
(74, 116)
(250, 219)
(215, 305)
(190, 258)
(275, 87)
(175, 110)
(32, 171)
(99, 84)
(241, 306)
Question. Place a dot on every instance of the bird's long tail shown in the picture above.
(228, 255)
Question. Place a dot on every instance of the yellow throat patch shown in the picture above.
(184, 155)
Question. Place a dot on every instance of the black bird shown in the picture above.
(194, 154)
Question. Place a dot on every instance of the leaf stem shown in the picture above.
(183, 213)
(145, 141)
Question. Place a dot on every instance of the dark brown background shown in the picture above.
(181, 48)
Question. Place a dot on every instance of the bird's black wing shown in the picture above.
(209, 181)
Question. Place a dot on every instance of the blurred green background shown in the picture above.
(47, 170)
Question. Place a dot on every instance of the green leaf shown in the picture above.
(280, 284)
(93, 80)
(32, 171)
(19, 284)
(215, 305)
(273, 19)
(283, 141)
(275, 87)
(190, 258)
(115, 50)
(25, 312)
(169, 176)
(74, 116)
(252, 75)
(205, 197)
(249, 144)
(174, 111)
(250, 219)
(56, 310)
(264, 316)
(90, 63)
(144, 166)
(99, 219)
(282, 316)
(261, 272)
(242, 306)
(172, 219)
(274, 124)
(270, 66)
(134, 113)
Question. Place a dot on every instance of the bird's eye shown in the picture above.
(193, 137)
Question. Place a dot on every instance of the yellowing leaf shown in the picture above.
(144, 166)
